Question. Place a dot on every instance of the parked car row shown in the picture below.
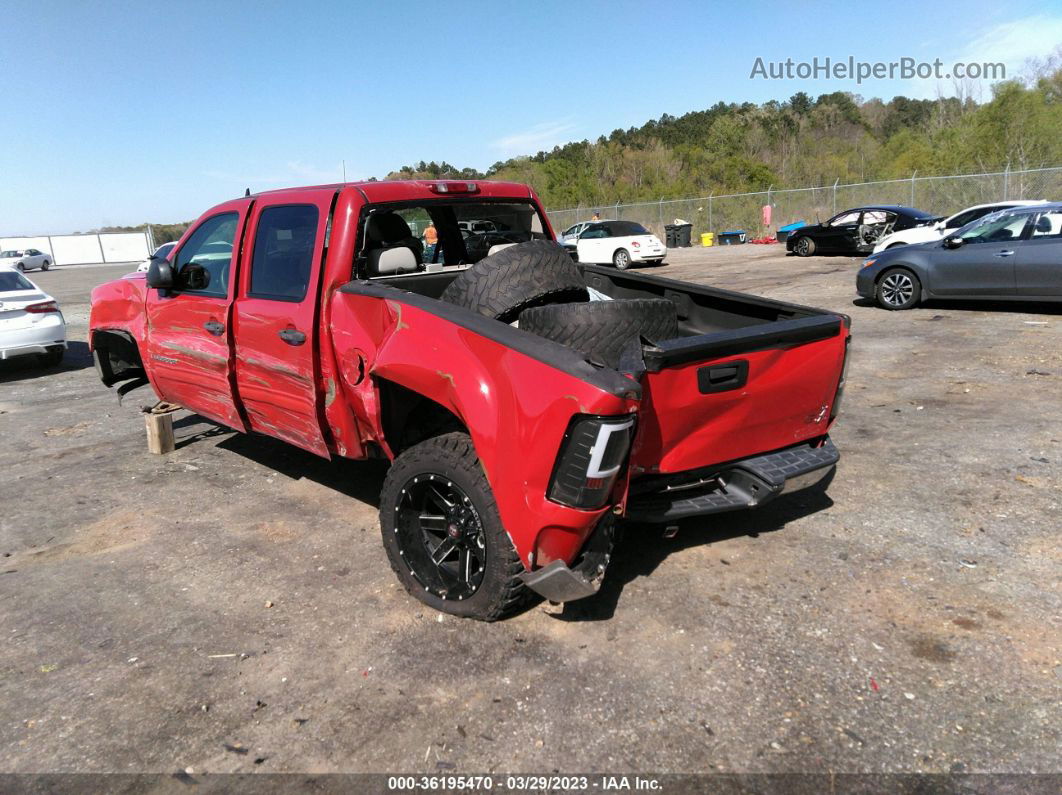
(875, 228)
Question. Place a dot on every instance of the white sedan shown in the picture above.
(619, 242)
(25, 259)
(30, 321)
(941, 229)
(162, 252)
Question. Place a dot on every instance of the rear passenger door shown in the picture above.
(1038, 263)
(276, 320)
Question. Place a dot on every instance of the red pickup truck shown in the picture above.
(321, 316)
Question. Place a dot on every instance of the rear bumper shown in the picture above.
(37, 337)
(739, 484)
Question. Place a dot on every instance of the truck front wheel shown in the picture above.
(443, 535)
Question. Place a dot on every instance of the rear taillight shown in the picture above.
(41, 308)
(840, 384)
(593, 453)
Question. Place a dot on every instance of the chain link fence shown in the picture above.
(744, 211)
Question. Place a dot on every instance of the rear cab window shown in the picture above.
(441, 234)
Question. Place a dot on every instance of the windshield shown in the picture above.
(10, 254)
(10, 281)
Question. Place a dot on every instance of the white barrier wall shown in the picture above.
(76, 249)
(124, 247)
(84, 249)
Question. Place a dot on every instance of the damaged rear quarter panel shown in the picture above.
(515, 407)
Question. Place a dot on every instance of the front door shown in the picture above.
(984, 264)
(1038, 264)
(839, 233)
(276, 317)
(189, 339)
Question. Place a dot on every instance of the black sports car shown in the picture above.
(855, 231)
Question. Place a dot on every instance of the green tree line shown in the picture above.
(803, 141)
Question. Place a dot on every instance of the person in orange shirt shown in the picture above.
(431, 236)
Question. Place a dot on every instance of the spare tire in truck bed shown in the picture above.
(529, 274)
(603, 328)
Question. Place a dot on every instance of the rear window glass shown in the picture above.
(10, 281)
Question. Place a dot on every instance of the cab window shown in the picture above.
(208, 251)
(283, 252)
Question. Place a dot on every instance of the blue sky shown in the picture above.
(121, 113)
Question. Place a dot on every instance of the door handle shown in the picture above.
(215, 328)
(1005, 254)
(292, 336)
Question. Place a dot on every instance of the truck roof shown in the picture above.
(405, 189)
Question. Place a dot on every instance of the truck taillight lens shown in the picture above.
(840, 384)
(592, 455)
(41, 308)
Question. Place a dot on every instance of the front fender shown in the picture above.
(119, 305)
(515, 406)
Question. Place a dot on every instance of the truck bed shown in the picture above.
(746, 375)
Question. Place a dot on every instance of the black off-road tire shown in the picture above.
(529, 274)
(602, 329)
(451, 460)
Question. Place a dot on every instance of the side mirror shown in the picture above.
(194, 276)
(160, 274)
(953, 242)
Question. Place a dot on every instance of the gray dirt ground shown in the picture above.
(908, 622)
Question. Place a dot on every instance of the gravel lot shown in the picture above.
(229, 607)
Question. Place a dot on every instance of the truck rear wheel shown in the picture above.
(443, 535)
(529, 274)
(603, 328)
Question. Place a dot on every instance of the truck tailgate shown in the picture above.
(718, 397)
